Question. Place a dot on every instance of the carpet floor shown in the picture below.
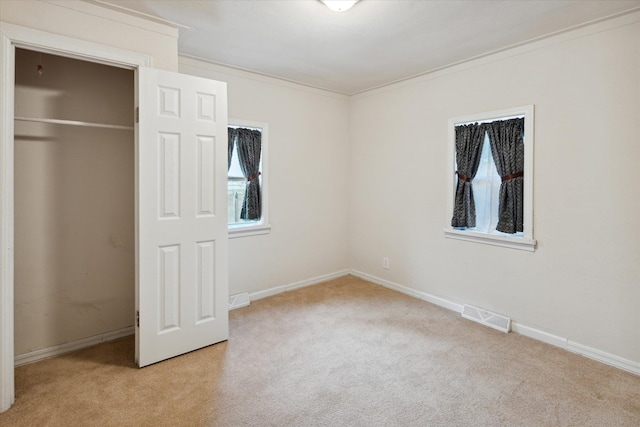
(342, 353)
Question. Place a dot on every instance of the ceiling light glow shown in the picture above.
(339, 5)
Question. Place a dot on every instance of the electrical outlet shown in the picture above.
(385, 263)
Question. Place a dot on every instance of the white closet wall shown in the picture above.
(74, 202)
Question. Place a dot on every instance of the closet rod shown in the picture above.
(73, 123)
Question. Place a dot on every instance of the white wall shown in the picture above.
(583, 281)
(88, 22)
(308, 131)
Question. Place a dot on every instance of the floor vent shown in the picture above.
(492, 320)
(239, 300)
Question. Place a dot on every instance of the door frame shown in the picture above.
(12, 36)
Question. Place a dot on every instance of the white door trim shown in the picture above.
(12, 36)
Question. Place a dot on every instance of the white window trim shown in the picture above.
(263, 227)
(527, 242)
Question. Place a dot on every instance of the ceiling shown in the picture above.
(375, 43)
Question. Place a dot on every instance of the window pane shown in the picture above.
(235, 196)
(234, 169)
(486, 188)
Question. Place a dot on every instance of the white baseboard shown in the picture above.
(563, 343)
(539, 335)
(301, 284)
(45, 353)
(601, 356)
(450, 305)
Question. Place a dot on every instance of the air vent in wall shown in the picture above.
(239, 300)
(492, 320)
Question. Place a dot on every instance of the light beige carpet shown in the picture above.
(342, 353)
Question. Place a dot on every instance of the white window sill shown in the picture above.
(236, 231)
(521, 243)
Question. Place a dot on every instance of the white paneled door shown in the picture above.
(182, 276)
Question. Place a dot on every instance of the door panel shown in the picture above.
(181, 157)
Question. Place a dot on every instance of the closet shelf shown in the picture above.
(72, 123)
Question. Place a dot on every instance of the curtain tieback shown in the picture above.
(512, 176)
(464, 178)
(253, 177)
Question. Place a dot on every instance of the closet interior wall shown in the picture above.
(74, 201)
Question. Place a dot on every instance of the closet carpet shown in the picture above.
(341, 353)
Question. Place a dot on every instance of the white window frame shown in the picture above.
(526, 242)
(263, 226)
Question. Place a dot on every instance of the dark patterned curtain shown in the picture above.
(507, 148)
(233, 134)
(249, 146)
(469, 141)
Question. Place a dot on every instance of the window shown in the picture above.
(247, 188)
(483, 204)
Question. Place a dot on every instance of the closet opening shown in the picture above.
(74, 204)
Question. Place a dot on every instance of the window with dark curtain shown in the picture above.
(248, 146)
(506, 139)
